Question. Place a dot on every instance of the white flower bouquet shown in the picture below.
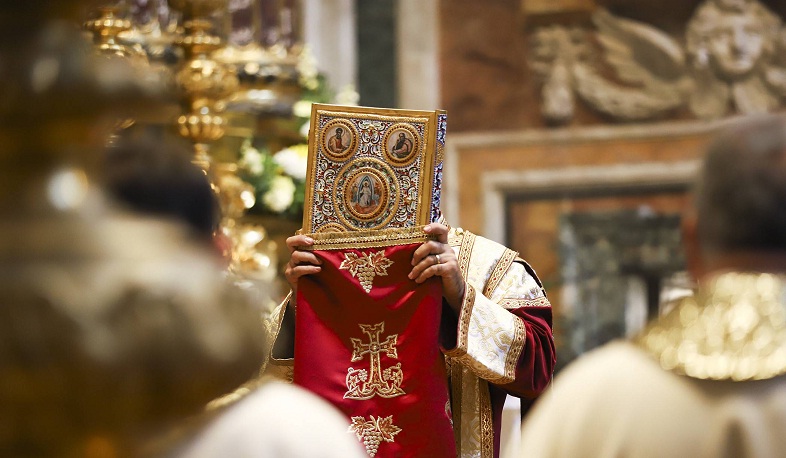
(278, 179)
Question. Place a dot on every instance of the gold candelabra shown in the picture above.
(228, 90)
(264, 48)
(106, 30)
(205, 84)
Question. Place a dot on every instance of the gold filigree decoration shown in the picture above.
(340, 240)
(331, 227)
(389, 115)
(733, 329)
(385, 383)
(486, 419)
(373, 432)
(512, 303)
(516, 348)
(502, 266)
(331, 199)
(440, 153)
(492, 343)
(366, 267)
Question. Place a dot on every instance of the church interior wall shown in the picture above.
(492, 87)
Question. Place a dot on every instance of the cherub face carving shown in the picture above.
(734, 37)
(735, 45)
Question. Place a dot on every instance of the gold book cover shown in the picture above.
(373, 168)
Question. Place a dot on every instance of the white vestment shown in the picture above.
(277, 420)
(618, 402)
(705, 380)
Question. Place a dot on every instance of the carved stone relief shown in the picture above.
(730, 60)
(556, 52)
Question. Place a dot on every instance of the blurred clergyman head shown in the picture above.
(739, 212)
(153, 174)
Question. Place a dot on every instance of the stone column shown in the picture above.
(418, 54)
(330, 32)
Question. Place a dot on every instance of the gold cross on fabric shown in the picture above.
(362, 384)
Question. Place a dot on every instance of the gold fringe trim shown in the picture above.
(368, 239)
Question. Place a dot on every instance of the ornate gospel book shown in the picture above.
(367, 336)
(373, 168)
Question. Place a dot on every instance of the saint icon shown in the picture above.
(336, 144)
(402, 147)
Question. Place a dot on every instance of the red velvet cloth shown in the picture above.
(400, 406)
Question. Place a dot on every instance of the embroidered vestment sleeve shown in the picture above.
(503, 332)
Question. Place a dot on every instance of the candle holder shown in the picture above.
(202, 81)
(206, 83)
(155, 28)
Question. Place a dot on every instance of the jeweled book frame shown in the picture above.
(372, 168)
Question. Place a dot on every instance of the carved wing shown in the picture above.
(637, 51)
(650, 63)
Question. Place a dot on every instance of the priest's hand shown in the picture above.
(437, 258)
(301, 262)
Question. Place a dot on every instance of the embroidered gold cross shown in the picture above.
(386, 383)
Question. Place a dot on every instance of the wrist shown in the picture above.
(457, 299)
